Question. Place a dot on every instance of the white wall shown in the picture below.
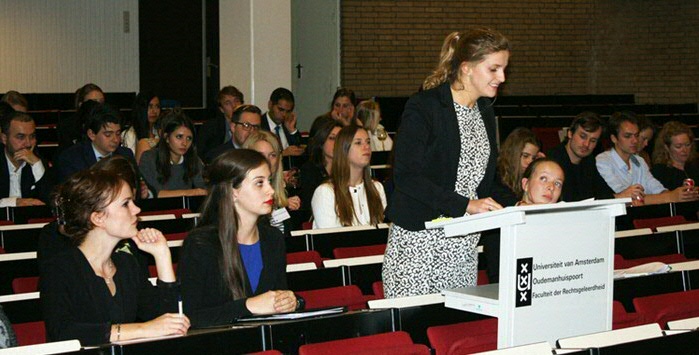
(51, 46)
(255, 47)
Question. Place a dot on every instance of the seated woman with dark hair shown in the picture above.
(675, 156)
(96, 295)
(542, 182)
(232, 266)
(518, 150)
(350, 197)
(173, 168)
(318, 167)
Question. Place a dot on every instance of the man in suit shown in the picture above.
(104, 139)
(245, 120)
(281, 120)
(215, 131)
(23, 178)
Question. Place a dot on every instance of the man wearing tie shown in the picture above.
(281, 120)
(103, 130)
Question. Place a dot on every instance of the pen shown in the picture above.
(179, 306)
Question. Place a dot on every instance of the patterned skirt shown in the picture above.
(426, 261)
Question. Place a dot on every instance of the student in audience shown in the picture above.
(542, 182)
(23, 177)
(518, 150)
(267, 144)
(231, 264)
(103, 131)
(245, 120)
(646, 129)
(621, 166)
(16, 100)
(342, 108)
(350, 197)
(318, 167)
(7, 334)
(173, 168)
(216, 131)
(674, 156)
(369, 114)
(90, 292)
(70, 129)
(445, 163)
(143, 133)
(575, 157)
(281, 120)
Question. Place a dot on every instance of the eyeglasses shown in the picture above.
(248, 126)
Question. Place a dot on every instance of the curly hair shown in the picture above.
(661, 155)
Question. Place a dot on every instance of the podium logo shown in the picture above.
(524, 282)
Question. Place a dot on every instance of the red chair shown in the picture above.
(377, 287)
(2, 250)
(353, 252)
(310, 256)
(482, 278)
(343, 296)
(465, 337)
(41, 220)
(654, 223)
(176, 236)
(548, 136)
(25, 284)
(30, 333)
(6, 223)
(398, 342)
(178, 212)
(623, 319)
(668, 307)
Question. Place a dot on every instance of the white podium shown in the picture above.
(556, 270)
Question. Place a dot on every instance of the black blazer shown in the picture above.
(205, 296)
(293, 139)
(427, 152)
(211, 134)
(29, 186)
(81, 156)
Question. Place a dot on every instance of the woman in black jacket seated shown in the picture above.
(231, 266)
(92, 293)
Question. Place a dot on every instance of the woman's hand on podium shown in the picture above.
(482, 205)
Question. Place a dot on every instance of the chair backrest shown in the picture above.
(377, 343)
(548, 136)
(304, 257)
(465, 337)
(377, 287)
(30, 333)
(668, 307)
(346, 296)
(654, 223)
(365, 250)
(623, 319)
(25, 284)
(612, 337)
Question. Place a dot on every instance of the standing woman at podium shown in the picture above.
(445, 162)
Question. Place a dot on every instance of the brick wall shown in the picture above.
(646, 47)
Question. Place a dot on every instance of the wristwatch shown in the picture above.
(300, 303)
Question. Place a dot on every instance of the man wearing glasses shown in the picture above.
(245, 120)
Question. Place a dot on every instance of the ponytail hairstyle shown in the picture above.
(277, 177)
(340, 180)
(218, 211)
(509, 166)
(369, 113)
(459, 47)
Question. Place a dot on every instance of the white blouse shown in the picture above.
(323, 204)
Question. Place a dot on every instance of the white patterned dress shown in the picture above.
(426, 261)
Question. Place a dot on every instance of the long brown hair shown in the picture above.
(340, 181)
(509, 166)
(459, 47)
(218, 211)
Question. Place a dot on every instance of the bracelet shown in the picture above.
(118, 331)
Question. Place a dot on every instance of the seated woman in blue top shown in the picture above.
(231, 266)
(173, 168)
(96, 295)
